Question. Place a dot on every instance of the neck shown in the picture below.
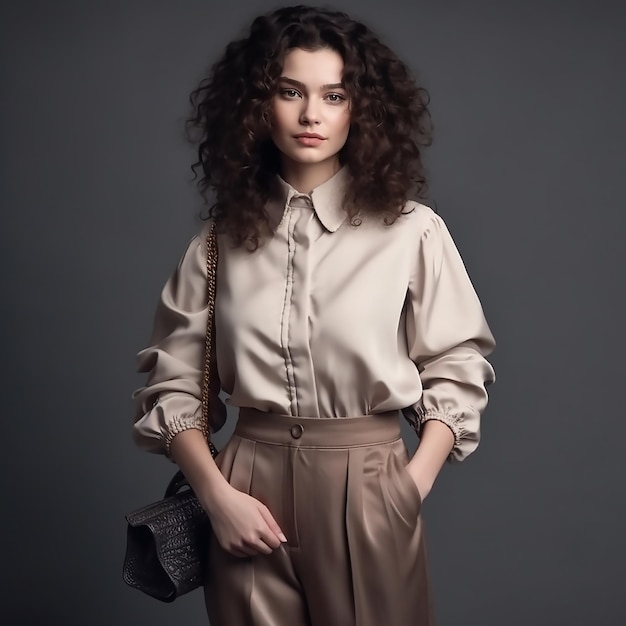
(304, 177)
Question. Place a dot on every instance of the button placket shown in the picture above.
(295, 315)
(304, 394)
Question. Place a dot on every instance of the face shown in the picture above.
(311, 112)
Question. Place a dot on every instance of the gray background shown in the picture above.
(528, 171)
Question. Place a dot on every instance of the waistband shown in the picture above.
(302, 432)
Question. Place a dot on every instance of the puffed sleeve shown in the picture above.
(171, 400)
(448, 339)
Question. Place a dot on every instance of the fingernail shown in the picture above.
(282, 537)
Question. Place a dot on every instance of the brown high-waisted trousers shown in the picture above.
(339, 490)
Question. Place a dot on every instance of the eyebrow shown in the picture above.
(297, 83)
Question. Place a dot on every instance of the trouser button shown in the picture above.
(296, 431)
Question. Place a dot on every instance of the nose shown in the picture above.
(310, 113)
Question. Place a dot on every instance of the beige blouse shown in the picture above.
(325, 320)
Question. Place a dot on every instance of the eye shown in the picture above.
(335, 98)
(289, 94)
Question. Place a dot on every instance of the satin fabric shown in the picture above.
(327, 320)
(340, 491)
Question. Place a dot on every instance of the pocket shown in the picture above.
(401, 489)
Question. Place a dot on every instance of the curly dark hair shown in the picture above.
(231, 121)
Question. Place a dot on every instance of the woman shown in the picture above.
(340, 303)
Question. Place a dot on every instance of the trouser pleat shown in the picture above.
(385, 540)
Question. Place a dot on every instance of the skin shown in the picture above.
(310, 99)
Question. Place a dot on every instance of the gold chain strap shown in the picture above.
(211, 270)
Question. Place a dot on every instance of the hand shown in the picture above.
(242, 525)
(436, 442)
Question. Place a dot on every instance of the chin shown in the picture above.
(310, 158)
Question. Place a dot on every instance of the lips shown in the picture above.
(309, 139)
(309, 136)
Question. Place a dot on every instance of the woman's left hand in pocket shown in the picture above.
(436, 442)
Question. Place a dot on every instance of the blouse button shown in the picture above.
(296, 431)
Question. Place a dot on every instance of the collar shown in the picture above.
(326, 199)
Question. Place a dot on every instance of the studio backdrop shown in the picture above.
(527, 170)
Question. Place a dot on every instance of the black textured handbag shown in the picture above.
(167, 541)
